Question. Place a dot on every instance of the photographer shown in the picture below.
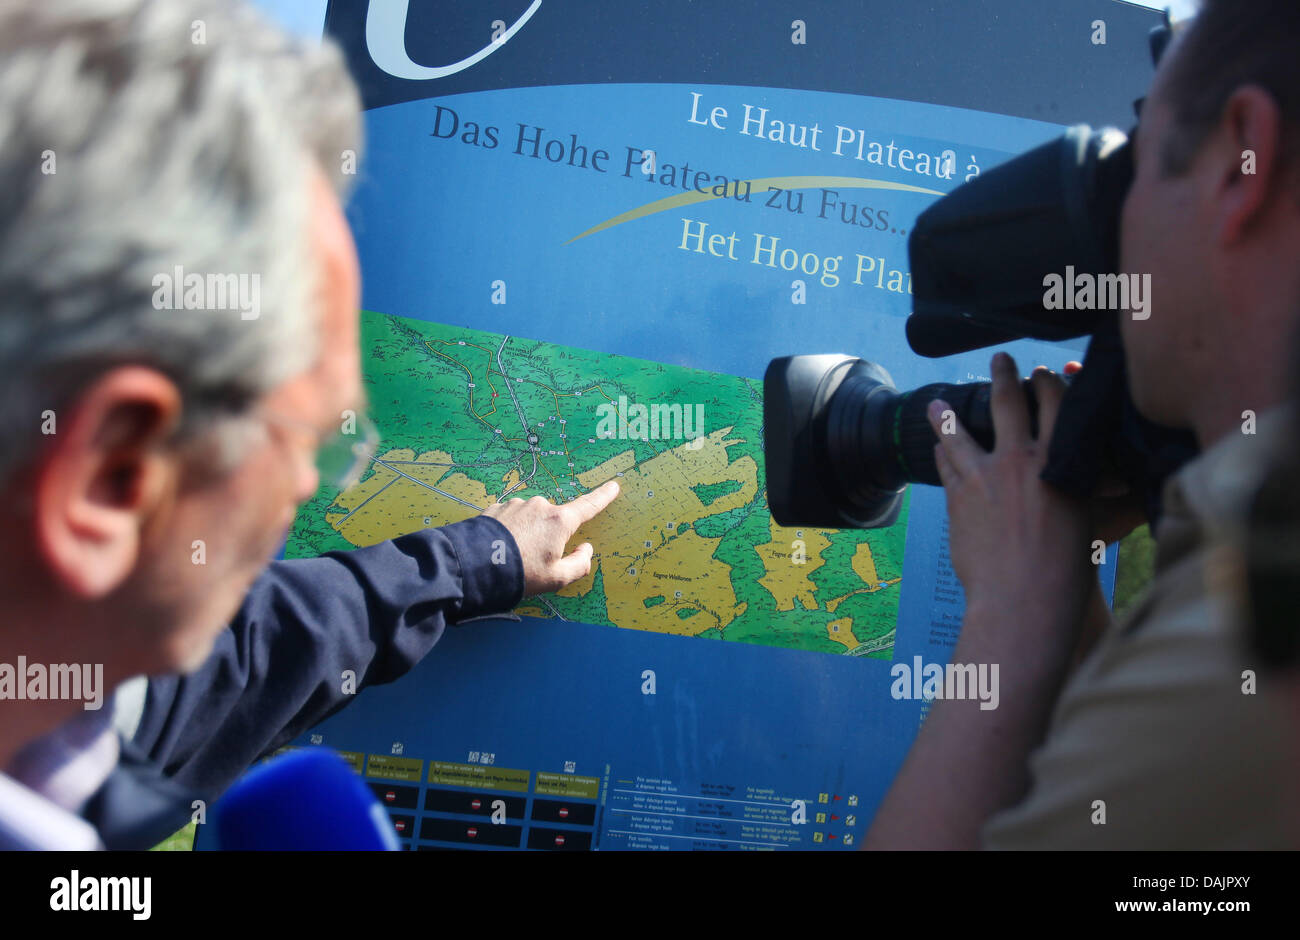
(1168, 734)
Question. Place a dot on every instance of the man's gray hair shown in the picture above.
(139, 137)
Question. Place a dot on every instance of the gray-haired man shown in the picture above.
(144, 142)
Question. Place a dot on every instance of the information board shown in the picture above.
(584, 230)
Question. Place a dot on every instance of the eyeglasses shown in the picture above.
(343, 456)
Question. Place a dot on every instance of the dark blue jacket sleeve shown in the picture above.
(279, 667)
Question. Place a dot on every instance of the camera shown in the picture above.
(841, 442)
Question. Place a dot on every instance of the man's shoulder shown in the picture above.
(1214, 490)
(1164, 737)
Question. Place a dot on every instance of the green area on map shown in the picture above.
(469, 418)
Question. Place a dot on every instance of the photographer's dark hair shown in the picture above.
(1232, 43)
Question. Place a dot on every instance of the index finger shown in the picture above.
(1049, 389)
(589, 504)
(1010, 411)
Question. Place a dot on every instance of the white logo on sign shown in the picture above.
(386, 42)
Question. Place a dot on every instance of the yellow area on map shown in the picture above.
(396, 498)
(789, 558)
(864, 565)
(841, 631)
(604, 471)
(656, 576)
(643, 554)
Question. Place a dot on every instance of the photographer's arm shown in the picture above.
(1021, 551)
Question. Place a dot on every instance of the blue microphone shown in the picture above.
(308, 800)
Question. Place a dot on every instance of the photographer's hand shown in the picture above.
(1021, 549)
(1017, 544)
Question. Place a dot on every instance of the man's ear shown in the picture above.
(101, 475)
(1252, 174)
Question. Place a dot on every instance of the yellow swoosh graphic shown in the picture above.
(784, 182)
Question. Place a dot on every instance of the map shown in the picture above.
(689, 548)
